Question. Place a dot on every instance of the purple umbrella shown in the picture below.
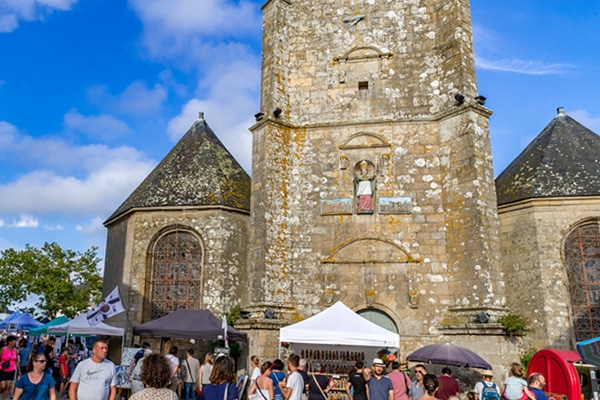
(449, 355)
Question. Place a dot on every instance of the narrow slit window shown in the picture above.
(363, 90)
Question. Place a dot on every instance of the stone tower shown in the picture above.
(372, 178)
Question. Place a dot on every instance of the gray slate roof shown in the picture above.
(198, 171)
(562, 161)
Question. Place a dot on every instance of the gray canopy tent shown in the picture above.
(189, 324)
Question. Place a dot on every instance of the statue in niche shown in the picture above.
(364, 185)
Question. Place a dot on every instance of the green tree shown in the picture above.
(65, 281)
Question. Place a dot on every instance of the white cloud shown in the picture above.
(54, 228)
(25, 221)
(137, 98)
(95, 226)
(182, 17)
(1, 223)
(13, 11)
(98, 192)
(229, 106)
(585, 119)
(66, 178)
(527, 67)
(190, 33)
(96, 127)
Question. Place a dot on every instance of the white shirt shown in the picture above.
(296, 383)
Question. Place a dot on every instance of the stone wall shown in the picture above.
(223, 234)
(532, 236)
(373, 82)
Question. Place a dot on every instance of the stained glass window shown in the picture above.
(176, 273)
(582, 260)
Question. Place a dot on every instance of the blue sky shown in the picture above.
(93, 93)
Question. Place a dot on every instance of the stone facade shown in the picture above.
(532, 235)
(372, 183)
(391, 84)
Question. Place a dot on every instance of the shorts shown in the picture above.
(7, 375)
(64, 379)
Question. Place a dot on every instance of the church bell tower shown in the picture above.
(372, 177)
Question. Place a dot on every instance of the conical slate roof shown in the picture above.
(198, 171)
(562, 161)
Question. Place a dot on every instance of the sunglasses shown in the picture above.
(40, 361)
(420, 372)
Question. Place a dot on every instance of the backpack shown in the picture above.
(183, 371)
(489, 392)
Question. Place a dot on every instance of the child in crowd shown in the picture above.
(63, 367)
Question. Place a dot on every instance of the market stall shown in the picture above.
(81, 326)
(335, 339)
(22, 321)
(190, 324)
(42, 330)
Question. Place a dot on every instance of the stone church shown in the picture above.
(372, 183)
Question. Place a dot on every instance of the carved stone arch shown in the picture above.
(366, 251)
(174, 271)
(362, 63)
(364, 140)
(362, 53)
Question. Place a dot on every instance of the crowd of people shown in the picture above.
(155, 376)
(165, 377)
(382, 382)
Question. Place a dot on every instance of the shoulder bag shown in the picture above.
(318, 385)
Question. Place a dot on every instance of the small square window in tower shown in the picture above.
(363, 90)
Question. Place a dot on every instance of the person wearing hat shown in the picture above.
(486, 389)
(380, 386)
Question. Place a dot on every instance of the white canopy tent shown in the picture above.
(80, 326)
(339, 325)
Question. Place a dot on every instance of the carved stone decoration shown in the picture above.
(413, 298)
(370, 297)
(364, 186)
(343, 162)
(329, 296)
(362, 63)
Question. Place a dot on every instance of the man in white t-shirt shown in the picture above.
(293, 385)
(94, 378)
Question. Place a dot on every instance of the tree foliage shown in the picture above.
(64, 281)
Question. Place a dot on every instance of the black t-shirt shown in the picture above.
(358, 383)
(304, 378)
(48, 351)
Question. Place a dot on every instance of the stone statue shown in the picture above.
(364, 184)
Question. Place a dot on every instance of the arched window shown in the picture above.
(582, 258)
(379, 318)
(176, 273)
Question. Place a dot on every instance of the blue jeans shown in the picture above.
(188, 391)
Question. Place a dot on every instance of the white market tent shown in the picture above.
(339, 325)
(80, 326)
